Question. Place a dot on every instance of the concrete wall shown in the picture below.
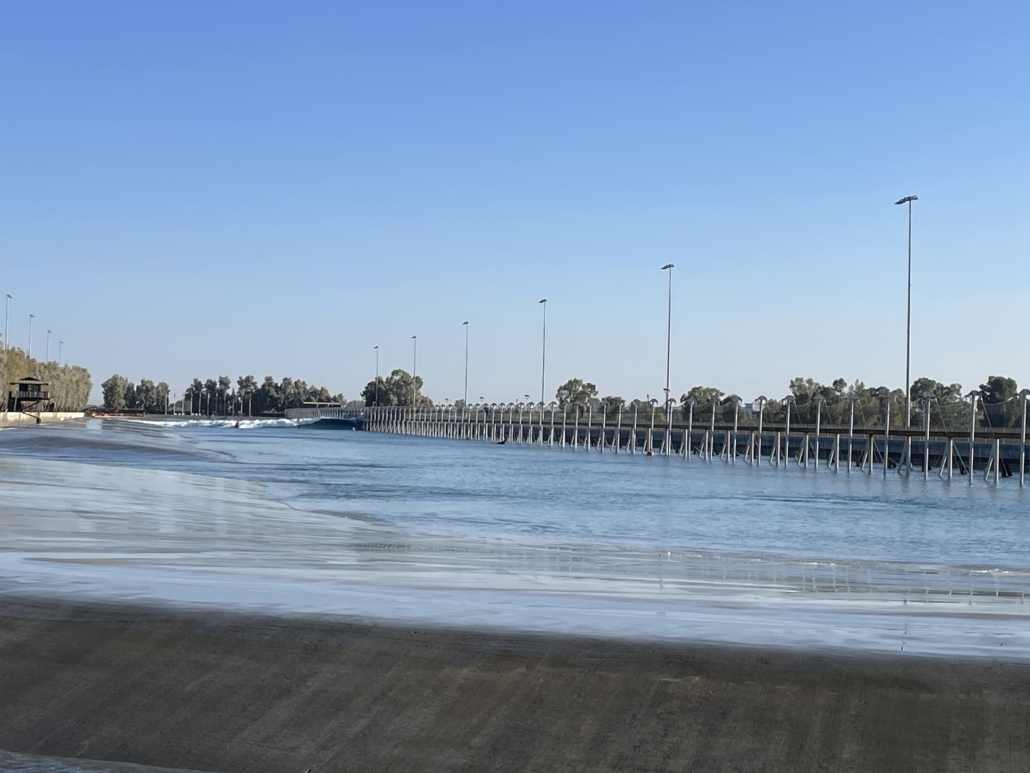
(8, 419)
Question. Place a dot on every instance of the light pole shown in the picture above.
(465, 324)
(375, 389)
(31, 317)
(668, 332)
(414, 370)
(47, 347)
(543, 351)
(7, 315)
(908, 324)
(60, 352)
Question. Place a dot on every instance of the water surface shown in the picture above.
(300, 520)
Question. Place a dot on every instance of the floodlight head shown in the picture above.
(668, 265)
(465, 322)
(906, 200)
(542, 300)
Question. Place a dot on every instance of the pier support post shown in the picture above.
(690, 427)
(819, 399)
(926, 435)
(1022, 438)
(789, 402)
(736, 416)
(886, 436)
(851, 426)
(973, 397)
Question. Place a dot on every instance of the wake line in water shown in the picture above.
(223, 423)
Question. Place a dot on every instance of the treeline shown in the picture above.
(215, 396)
(70, 385)
(999, 404)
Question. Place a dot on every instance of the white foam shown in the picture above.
(222, 423)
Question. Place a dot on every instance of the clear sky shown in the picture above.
(195, 189)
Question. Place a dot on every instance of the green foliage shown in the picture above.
(702, 397)
(396, 389)
(575, 392)
(1000, 401)
(115, 389)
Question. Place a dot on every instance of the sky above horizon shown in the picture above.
(191, 190)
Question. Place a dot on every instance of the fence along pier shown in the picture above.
(993, 453)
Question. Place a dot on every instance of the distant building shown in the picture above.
(29, 395)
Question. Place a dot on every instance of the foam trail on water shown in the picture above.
(223, 423)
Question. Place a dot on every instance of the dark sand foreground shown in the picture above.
(230, 693)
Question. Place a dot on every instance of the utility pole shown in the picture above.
(908, 324)
(7, 316)
(668, 336)
(466, 326)
(543, 351)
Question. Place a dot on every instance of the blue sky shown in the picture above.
(197, 189)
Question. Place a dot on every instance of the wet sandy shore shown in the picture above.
(221, 692)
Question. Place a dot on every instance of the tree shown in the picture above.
(999, 398)
(612, 405)
(247, 386)
(224, 385)
(114, 392)
(702, 397)
(949, 407)
(396, 389)
(162, 398)
(146, 396)
(575, 392)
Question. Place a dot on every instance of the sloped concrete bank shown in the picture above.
(215, 691)
(14, 418)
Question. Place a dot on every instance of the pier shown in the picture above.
(990, 454)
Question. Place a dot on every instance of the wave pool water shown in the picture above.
(293, 520)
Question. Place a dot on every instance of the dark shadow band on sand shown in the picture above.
(233, 692)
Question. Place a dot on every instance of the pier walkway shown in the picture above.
(990, 454)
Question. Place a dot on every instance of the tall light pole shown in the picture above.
(60, 352)
(465, 324)
(47, 347)
(376, 382)
(908, 325)
(31, 317)
(668, 336)
(414, 369)
(543, 351)
(7, 315)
